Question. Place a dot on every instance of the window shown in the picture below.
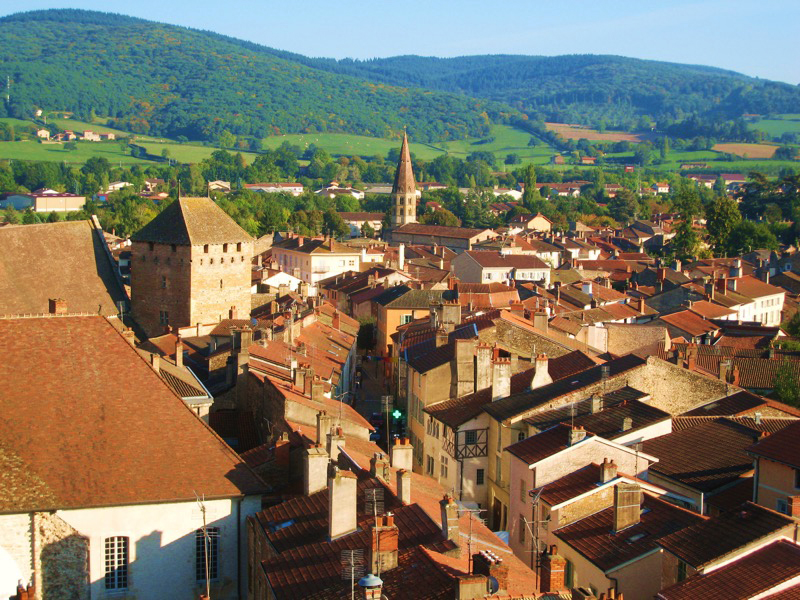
(174, 248)
(163, 317)
(429, 466)
(211, 261)
(782, 506)
(406, 319)
(239, 247)
(499, 448)
(116, 563)
(443, 466)
(523, 493)
(224, 247)
(479, 477)
(163, 282)
(681, 571)
(471, 437)
(520, 436)
(797, 479)
(207, 558)
(351, 263)
(205, 248)
(150, 245)
(521, 529)
(498, 468)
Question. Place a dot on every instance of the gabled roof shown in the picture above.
(782, 446)
(516, 404)
(593, 536)
(87, 383)
(542, 445)
(713, 540)
(401, 296)
(488, 259)
(64, 260)
(548, 418)
(461, 233)
(749, 577)
(191, 222)
(736, 404)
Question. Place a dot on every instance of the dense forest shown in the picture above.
(165, 80)
(172, 81)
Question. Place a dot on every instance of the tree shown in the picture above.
(722, 215)
(441, 216)
(792, 327)
(531, 194)
(686, 241)
(786, 386)
(367, 230)
(10, 215)
(623, 206)
(53, 217)
(70, 146)
(333, 224)
(748, 236)
(513, 159)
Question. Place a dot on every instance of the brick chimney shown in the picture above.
(691, 356)
(402, 454)
(334, 442)
(25, 593)
(450, 527)
(553, 567)
(317, 389)
(323, 426)
(627, 423)
(541, 375)
(299, 377)
(371, 587)
(383, 540)
(342, 486)
(178, 354)
(724, 369)
(282, 450)
(490, 564)
(58, 306)
(379, 466)
(540, 320)
(404, 486)
(483, 366)
(315, 469)
(608, 470)
(155, 362)
(129, 336)
(501, 378)
(627, 505)
(576, 434)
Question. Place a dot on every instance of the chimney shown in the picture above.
(465, 367)
(553, 568)
(58, 306)
(605, 372)
(315, 469)
(794, 506)
(627, 505)
(282, 450)
(379, 466)
(334, 442)
(608, 470)
(724, 369)
(541, 374)
(402, 453)
(691, 356)
(155, 362)
(342, 486)
(483, 366)
(627, 423)
(299, 377)
(540, 320)
(576, 434)
(490, 564)
(736, 269)
(404, 486)
(442, 337)
(501, 378)
(596, 403)
(323, 426)
(129, 336)
(383, 539)
(178, 354)
(371, 587)
(317, 389)
(401, 257)
(586, 288)
(450, 528)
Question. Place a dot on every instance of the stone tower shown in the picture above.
(404, 190)
(189, 265)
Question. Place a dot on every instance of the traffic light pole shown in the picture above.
(387, 410)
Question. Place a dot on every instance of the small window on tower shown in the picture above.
(239, 247)
(224, 247)
(151, 246)
(220, 284)
(205, 248)
(163, 281)
(174, 248)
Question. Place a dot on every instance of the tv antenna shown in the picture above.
(352, 568)
(469, 538)
(206, 542)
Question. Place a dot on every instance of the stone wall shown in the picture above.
(16, 542)
(517, 339)
(673, 388)
(62, 557)
(220, 279)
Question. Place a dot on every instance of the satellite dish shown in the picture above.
(493, 585)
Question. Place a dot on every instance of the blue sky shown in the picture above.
(756, 38)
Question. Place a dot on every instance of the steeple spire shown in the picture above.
(404, 189)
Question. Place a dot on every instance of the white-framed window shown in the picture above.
(207, 553)
(116, 563)
(406, 319)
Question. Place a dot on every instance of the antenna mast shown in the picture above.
(201, 504)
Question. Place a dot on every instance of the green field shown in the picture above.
(32, 150)
(18, 122)
(74, 125)
(187, 153)
(777, 127)
(507, 140)
(350, 145)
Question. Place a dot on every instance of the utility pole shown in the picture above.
(535, 498)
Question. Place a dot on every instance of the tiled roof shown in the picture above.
(592, 536)
(87, 383)
(192, 221)
(738, 403)
(461, 233)
(754, 373)
(236, 427)
(458, 411)
(781, 446)
(748, 577)
(545, 419)
(571, 485)
(518, 403)
(710, 310)
(608, 423)
(763, 424)
(402, 296)
(705, 457)
(733, 496)
(751, 287)
(308, 245)
(712, 540)
(538, 447)
(361, 216)
(56, 260)
(689, 322)
(511, 261)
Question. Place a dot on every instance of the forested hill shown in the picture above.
(582, 88)
(173, 81)
(166, 80)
